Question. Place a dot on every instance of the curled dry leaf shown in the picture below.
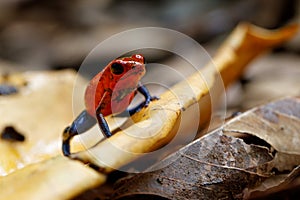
(220, 166)
(278, 124)
(160, 118)
(273, 186)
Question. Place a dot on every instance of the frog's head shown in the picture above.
(128, 67)
(121, 76)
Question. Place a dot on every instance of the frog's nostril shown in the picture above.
(139, 58)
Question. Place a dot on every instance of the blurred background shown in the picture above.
(57, 34)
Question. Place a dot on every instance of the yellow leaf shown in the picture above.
(58, 178)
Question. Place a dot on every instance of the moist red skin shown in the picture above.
(115, 92)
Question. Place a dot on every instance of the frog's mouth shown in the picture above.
(141, 72)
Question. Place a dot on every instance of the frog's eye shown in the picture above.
(117, 68)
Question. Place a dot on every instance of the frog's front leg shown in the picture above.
(145, 92)
(148, 98)
(103, 124)
(82, 123)
(100, 117)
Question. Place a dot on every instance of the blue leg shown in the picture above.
(81, 124)
(148, 98)
(102, 123)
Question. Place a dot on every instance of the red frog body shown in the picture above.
(115, 86)
(109, 92)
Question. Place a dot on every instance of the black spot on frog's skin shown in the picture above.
(7, 89)
(123, 93)
(9, 133)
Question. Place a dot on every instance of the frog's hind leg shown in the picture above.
(81, 124)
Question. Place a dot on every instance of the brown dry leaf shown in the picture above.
(274, 185)
(218, 166)
(160, 120)
(214, 167)
(278, 124)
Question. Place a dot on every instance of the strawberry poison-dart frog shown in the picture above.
(109, 92)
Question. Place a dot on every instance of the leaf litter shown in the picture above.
(221, 166)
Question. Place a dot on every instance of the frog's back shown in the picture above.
(94, 93)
